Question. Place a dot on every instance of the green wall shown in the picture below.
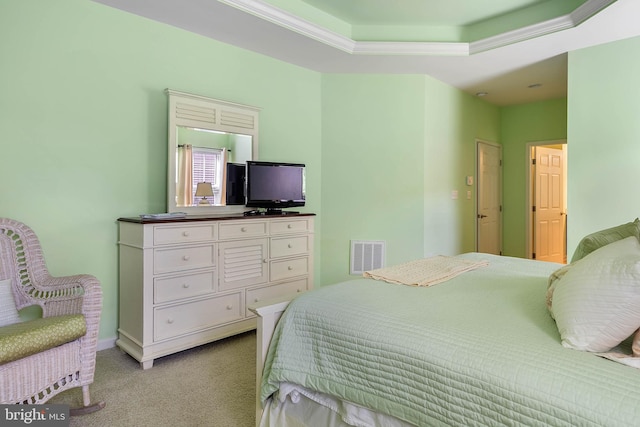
(393, 150)
(604, 137)
(84, 119)
(453, 121)
(83, 111)
(522, 124)
(373, 140)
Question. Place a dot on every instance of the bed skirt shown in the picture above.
(296, 406)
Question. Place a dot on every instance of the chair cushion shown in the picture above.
(8, 311)
(34, 336)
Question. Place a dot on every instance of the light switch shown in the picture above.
(454, 194)
(468, 194)
(470, 180)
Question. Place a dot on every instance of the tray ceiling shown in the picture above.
(498, 47)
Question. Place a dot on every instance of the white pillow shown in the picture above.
(8, 311)
(596, 303)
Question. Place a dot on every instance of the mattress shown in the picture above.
(479, 349)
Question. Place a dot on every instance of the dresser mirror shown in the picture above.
(210, 142)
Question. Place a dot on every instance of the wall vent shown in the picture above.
(366, 255)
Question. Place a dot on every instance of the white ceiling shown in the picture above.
(503, 65)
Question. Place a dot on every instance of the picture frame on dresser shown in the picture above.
(184, 282)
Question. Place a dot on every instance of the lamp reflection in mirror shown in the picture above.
(204, 190)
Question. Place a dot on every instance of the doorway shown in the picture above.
(547, 201)
(488, 198)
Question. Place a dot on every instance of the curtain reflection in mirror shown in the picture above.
(184, 182)
(223, 185)
(198, 165)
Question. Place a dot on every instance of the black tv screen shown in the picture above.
(275, 185)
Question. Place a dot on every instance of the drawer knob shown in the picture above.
(185, 285)
(229, 307)
(298, 290)
(169, 320)
(185, 233)
(185, 257)
(290, 268)
(289, 226)
(255, 300)
(243, 229)
(290, 246)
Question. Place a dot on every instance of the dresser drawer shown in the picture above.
(275, 291)
(180, 319)
(290, 226)
(284, 269)
(289, 246)
(185, 286)
(167, 234)
(184, 258)
(238, 230)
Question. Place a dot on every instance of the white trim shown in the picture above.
(411, 48)
(588, 9)
(521, 34)
(292, 22)
(106, 343)
(275, 15)
(560, 23)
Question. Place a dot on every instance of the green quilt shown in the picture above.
(479, 349)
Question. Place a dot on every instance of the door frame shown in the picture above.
(529, 196)
(477, 191)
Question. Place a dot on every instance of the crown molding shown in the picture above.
(560, 23)
(411, 48)
(294, 23)
(284, 19)
(521, 34)
(588, 9)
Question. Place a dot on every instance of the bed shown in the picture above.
(480, 348)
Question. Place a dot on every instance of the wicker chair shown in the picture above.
(36, 378)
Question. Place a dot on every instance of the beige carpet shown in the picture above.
(210, 385)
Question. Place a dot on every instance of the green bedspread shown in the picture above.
(479, 349)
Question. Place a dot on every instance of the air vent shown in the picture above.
(366, 255)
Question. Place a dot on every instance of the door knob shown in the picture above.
(481, 216)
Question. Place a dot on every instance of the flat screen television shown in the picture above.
(275, 185)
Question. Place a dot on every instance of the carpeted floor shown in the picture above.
(211, 385)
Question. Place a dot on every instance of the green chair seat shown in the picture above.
(23, 339)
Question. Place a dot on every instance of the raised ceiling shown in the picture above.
(498, 47)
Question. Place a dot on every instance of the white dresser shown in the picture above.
(186, 282)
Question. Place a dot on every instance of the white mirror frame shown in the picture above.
(200, 112)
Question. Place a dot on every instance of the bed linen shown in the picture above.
(297, 406)
(479, 349)
(426, 271)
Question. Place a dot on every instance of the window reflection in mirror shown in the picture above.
(203, 155)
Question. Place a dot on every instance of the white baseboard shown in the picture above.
(106, 343)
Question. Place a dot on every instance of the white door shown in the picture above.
(489, 209)
(548, 211)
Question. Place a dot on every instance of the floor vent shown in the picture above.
(366, 255)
